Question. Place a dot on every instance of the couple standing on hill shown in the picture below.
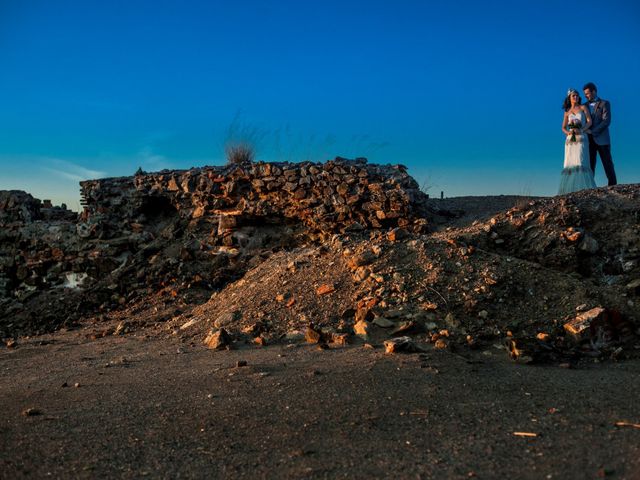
(580, 151)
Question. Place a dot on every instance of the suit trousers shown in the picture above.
(605, 158)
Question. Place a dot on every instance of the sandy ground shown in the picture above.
(149, 406)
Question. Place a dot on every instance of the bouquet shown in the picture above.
(574, 125)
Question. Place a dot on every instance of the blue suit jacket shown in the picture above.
(601, 119)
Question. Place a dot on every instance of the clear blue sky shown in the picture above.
(466, 94)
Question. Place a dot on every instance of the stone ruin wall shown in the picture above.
(334, 196)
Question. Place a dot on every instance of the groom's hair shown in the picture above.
(590, 86)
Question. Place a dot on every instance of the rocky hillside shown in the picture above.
(333, 253)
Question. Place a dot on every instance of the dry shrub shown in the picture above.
(239, 153)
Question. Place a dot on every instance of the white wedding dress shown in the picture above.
(576, 174)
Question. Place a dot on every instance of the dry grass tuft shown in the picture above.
(239, 153)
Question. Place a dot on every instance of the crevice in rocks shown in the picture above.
(153, 207)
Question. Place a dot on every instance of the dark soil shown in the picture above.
(134, 392)
(154, 407)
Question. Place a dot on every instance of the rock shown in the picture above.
(361, 259)
(440, 344)
(226, 223)
(529, 350)
(429, 306)
(383, 322)
(589, 244)
(121, 329)
(198, 212)
(451, 321)
(218, 340)
(378, 278)
(188, 324)
(585, 324)
(340, 338)
(294, 336)
(360, 274)
(401, 344)
(354, 226)
(397, 234)
(313, 335)
(363, 314)
(226, 319)
(633, 287)
(31, 412)
(254, 329)
(395, 313)
(572, 234)
(362, 328)
(241, 363)
(408, 327)
(325, 289)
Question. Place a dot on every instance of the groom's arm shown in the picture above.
(606, 119)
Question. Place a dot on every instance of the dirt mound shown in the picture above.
(284, 293)
(515, 279)
(461, 211)
(593, 233)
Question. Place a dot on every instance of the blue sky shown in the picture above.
(466, 94)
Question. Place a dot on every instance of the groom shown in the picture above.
(599, 142)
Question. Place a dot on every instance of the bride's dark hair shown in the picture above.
(566, 105)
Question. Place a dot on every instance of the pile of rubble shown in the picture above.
(18, 207)
(546, 280)
(328, 253)
(189, 231)
(32, 260)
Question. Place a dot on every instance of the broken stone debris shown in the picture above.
(401, 344)
(176, 230)
(31, 412)
(177, 237)
(586, 324)
(218, 340)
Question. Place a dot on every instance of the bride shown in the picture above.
(576, 174)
